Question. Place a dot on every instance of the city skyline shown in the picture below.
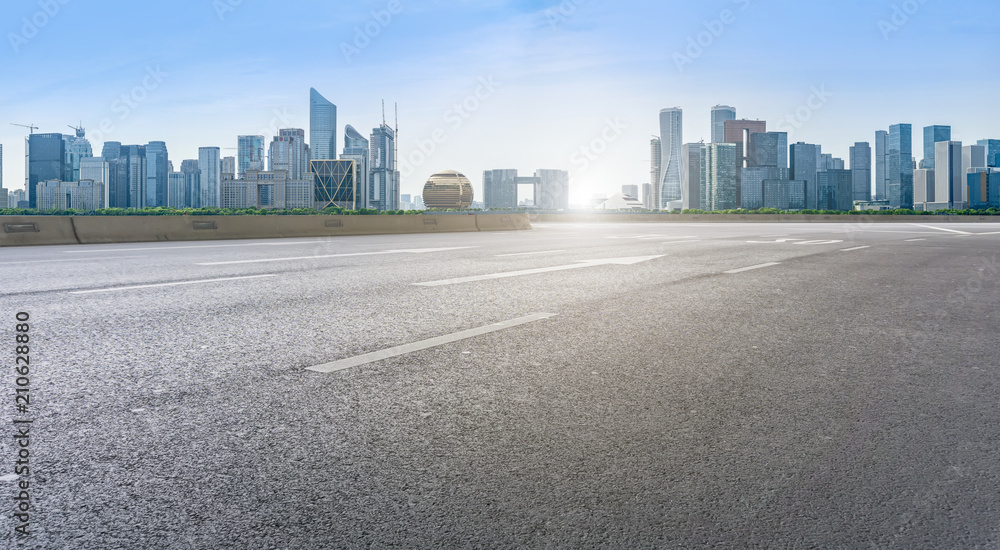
(478, 65)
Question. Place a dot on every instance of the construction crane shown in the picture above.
(80, 131)
(31, 127)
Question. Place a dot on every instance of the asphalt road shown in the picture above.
(649, 390)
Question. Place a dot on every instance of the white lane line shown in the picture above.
(170, 284)
(425, 344)
(74, 260)
(751, 268)
(578, 265)
(943, 229)
(853, 249)
(528, 253)
(680, 242)
(914, 240)
(380, 253)
(182, 247)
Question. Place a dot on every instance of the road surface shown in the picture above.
(573, 386)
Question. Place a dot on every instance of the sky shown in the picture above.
(574, 85)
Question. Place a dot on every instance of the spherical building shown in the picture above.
(448, 189)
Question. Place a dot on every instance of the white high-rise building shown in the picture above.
(948, 176)
(692, 175)
(923, 188)
(671, 172)
(97, 170)
(210, 164)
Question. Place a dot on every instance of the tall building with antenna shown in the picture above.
(383, 189)
(76, 147)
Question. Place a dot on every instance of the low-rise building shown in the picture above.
(63, 195)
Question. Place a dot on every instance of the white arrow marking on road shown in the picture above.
(579, 265)
(380, 253)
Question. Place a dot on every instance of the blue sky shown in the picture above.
(574, 85)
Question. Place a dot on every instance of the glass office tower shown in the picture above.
(46, 161)
(322, 127)
(900, 166)
(932, 135)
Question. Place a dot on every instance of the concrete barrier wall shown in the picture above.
(38, 230)
(30, 230)
(508, 222)
(756, 218)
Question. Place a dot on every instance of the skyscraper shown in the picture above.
(288, 152)
(992, 151)
(46, 161)
(805, 167)
(357, 148)
(322, 127)
(720, 167)
(156, 173)
(973, 158)
(671, 140)
(500, 189)
(932, 135)
(768, 149)
(861, 171)
(210, 164)
(97, 170)
(738, 132)
(949, 180)
(383, 189)
(228, 166)
(76, 147)
(692, 170)
(900, 166)
(192, 183)
(720, 114)
(117, 190)
(923, 188)
(551, 189)
(175, 190)
(881, 165)
(835, 190)
(767, 161)
(655, 165)
(249, 154)
(132, 174)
